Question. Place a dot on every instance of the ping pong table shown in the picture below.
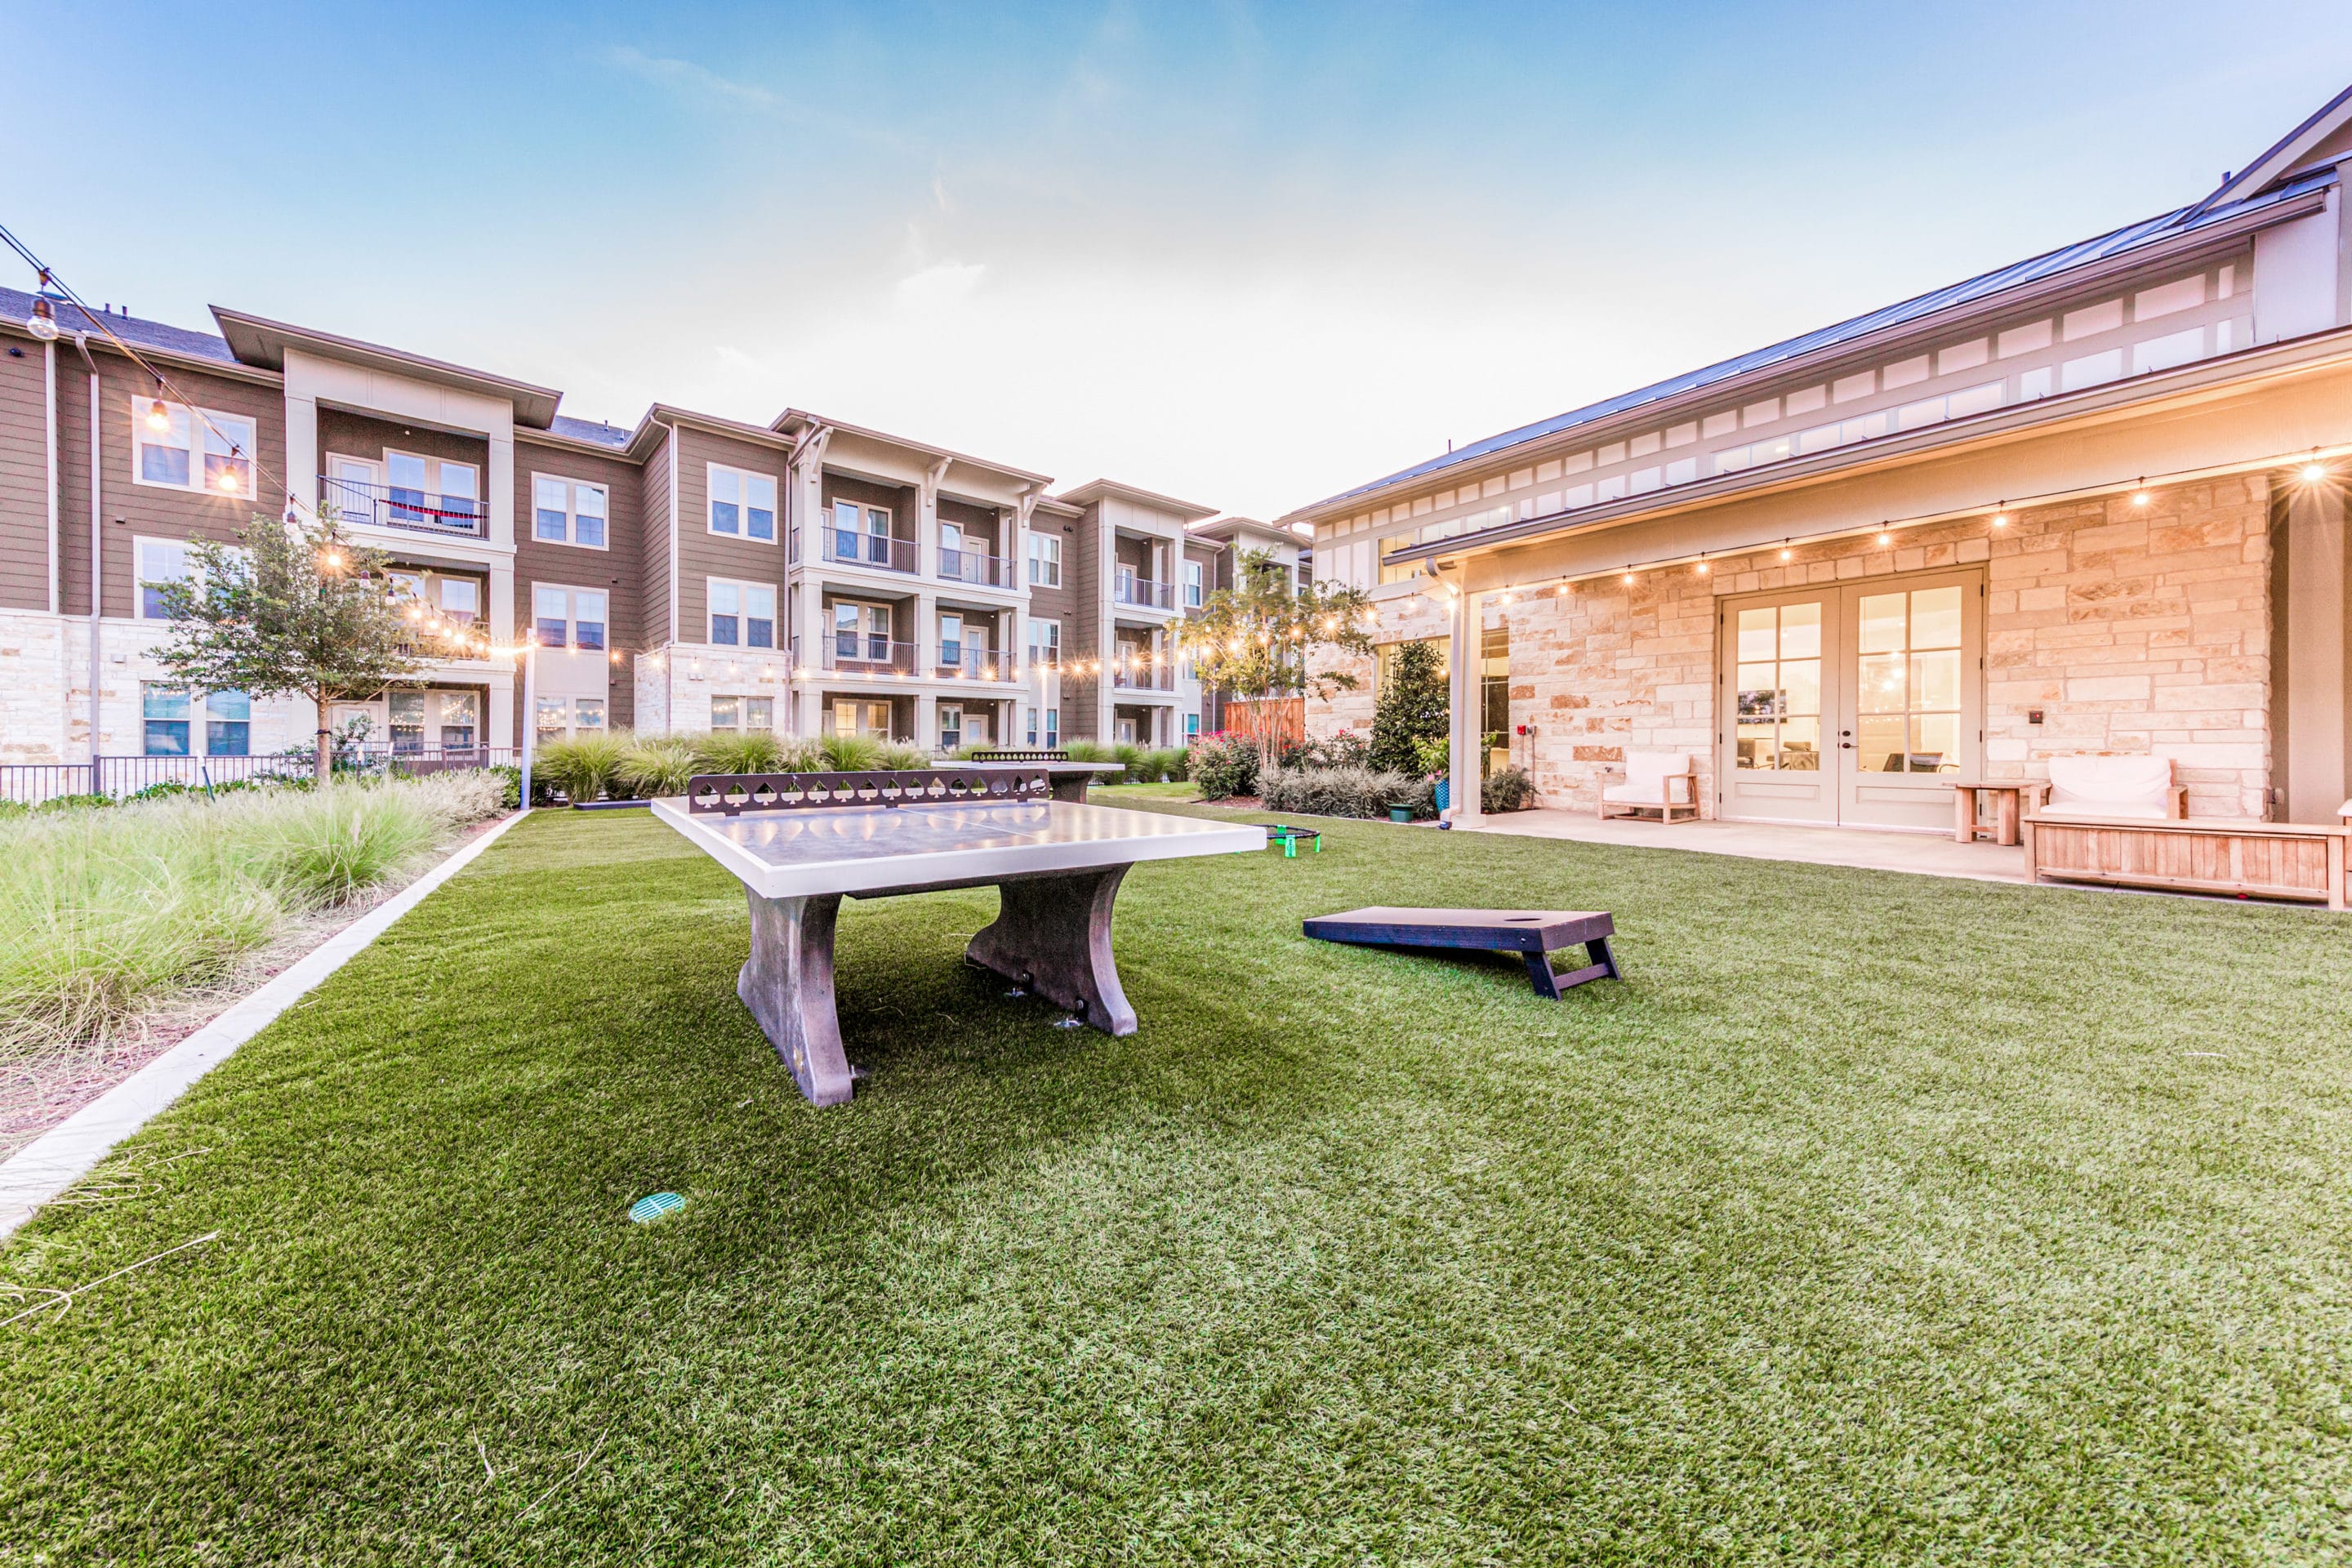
(800, 843)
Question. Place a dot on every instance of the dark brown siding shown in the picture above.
(132, 510)
(1083, 626)
(653, 595)
(615, 569)
(347, 435)
(702, 554)
(899, 499)
(25, 540)
(1206, 556)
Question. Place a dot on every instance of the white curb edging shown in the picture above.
(69, 1150)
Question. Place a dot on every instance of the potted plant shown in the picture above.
(1436, 759)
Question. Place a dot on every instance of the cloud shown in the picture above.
(691, 80)
(939, 285)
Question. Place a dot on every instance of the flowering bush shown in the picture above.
(1224, 765)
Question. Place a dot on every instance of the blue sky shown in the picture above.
(1246, 255)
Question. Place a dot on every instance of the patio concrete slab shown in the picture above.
(1933, 855)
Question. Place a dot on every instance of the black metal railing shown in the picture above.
(849, 548)
(31, 784)
(396, 506)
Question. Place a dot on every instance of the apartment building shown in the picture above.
(2092, 503)
(688, 572)
(1213, 552)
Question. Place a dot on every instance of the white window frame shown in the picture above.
(1196, 584)
(743, 701)
(571, 616)
(745, 586)
(139, 579)
(437, 487)
(1044, 551)
(1053, 643)
(745, 478)
(572, 492)
(239, 431)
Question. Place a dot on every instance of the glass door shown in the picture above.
(1854, 705)
(1780, 655)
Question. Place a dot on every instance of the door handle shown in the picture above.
(1845, 745)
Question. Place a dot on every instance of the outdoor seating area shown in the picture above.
(1663, 782)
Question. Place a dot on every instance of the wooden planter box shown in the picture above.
(2259, 859)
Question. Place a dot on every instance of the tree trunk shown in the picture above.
(325, 753)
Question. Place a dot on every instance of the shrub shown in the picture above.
(510, 779)
(75, 803)
(1180, 764)
(1087, 751)
(850, 753)
(1344, 749)
(102, 913)
(1128, 756)
(1157, 767)
(1509, 790)
(1333, 792)
(1224, 766)
(750, 752)
(1414, 705)
(584, 767)
(898, 756)
(660, 765)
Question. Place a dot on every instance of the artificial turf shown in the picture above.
(1871, 1218)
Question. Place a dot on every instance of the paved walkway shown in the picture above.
(1930, 854)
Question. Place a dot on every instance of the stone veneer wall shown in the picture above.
(2137, 630)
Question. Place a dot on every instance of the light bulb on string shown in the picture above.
(159, 417)
(2139, 496)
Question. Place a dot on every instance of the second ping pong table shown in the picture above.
(800, 843)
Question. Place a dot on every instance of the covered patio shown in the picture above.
(1928, 854)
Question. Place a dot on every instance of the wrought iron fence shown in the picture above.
(31, 784)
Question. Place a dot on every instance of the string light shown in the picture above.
(1702, 568)
(2315, 470)
(159, 417)
(1885, 538)
(2140, 497)
(1787, 554)
(43, 323)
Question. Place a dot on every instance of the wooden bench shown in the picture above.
(1531, 933)
(2193, 855)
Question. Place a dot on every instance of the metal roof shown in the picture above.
(2166, 227)
(594, 431)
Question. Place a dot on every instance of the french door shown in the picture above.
(1851, 704)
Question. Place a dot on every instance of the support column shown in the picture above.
(302, 451)
(1462, 695)
(2311, 764)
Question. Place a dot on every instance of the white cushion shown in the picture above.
(1636, 794)
(1650, 770)
(2111, 787)
(2095, 809)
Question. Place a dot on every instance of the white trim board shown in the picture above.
(72, 1149)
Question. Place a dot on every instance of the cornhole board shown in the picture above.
(1533, 934)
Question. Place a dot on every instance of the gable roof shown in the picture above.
(2208, 216)
(138, 332)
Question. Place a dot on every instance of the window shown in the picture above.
(164, 712)
(551, 617)
(406, 719)
(861, 533)
(548, 724)
(951, 726)
(1191, 728)
(186, 448)
(555, 718)
(161, 561)
(861, 633)
(1193, 595)
(569, 511)
(432, 490)
(1053, 728)
(1045, 642)
(568, 617)
(742, 615)
(461, 600)
(228, 724)
(742, 502)
(1045, 561)
(730, 714)
(459, 713)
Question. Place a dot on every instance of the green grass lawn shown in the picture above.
(1870, 1219)
(1133, 794)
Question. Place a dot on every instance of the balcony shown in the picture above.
(1137, 675)
(857, 653)
(1142, 593)
(958, 661)
(872, 551)
(982, 571)
(393, 506)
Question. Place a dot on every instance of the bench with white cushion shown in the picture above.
(2110, 787)
(1663, 782)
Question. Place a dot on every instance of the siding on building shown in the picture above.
(579, 566)
(702, 554)
(25, 536)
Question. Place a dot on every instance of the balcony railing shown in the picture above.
(1141, 676)
(1143, 592)
(983, 570)
(855, 653)
(957, 660)
(394, 506)
(847, 548)
(30, 784)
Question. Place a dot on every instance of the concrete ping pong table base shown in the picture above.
(1056, 868)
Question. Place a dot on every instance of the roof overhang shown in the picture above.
(2224, 234)
(257, 340)
(2320, 352)
(1094, 490)
(2279, 159)
(799, 423)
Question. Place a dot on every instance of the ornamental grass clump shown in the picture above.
(658, 766)
(584, 767)
(105, 915)
(1333, 792)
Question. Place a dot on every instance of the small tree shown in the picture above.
(1253, 641)
(294, 610)
(1414, 709)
